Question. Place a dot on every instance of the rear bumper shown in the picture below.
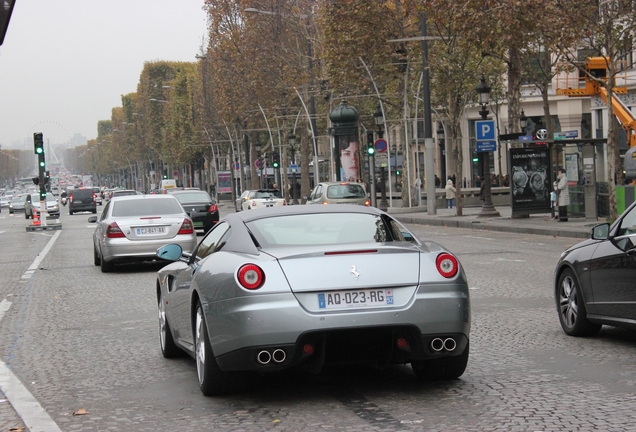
(125, 250)
(243, 328)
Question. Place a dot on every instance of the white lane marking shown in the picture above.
(1, 232)
(480, 238)
(46, 250)
(33, 415)
(4, 307)
(508, 260)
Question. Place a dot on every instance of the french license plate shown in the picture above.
(77, 201)
(269, 204)
(153, 230)
(357, 298)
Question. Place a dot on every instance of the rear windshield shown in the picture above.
(266, 194)
(318, 229)
(146, 207)
(82, 193)
(199, 196)
(346, 191)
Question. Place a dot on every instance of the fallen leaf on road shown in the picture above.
(80, 411)
(16, 429)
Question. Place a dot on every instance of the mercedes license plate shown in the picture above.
(357, 298)
(153, 230)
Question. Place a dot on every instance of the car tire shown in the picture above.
(446, 368)
(571, 307)
(70, 212)
(168, 348)
(96, 259)
(212, 380)
(94, 211)
(105, 266)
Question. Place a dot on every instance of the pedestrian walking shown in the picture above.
(563, 192)
(450, 194)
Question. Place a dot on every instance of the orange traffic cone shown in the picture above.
(36, 218)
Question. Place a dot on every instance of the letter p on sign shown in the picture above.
(485, 130)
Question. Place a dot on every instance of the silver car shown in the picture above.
(304, 286)
(131, 228)
(339, 193)
(17, 203)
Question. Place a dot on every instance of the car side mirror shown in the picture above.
(92, 219)
(600, 232)
(170, 252)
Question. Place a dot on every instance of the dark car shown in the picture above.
(594, 280)
(81, 200)
(124, 192)
(200, 207)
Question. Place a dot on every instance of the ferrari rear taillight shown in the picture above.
(186, 227)
(113, 231)
(447, 265)
(251, 276)
(367, 203)
(213, 208)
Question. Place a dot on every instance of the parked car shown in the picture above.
(32, 205)
(304, 286)
(202, 209)
(594, 280)
(339, 193)
(261, 198)
(17, 203)
(132, 227)
(82, 199)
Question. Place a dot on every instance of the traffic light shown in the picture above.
(397, 172)
(41, 162)
(42, 194)
(36, 180)
(38, 143)
(165, 174)
(276, 160)
(370, 144)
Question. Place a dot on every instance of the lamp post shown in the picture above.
(441, 136)
(291, 138)
(487, 209)
(379, 122)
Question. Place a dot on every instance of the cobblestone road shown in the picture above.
(77, 338)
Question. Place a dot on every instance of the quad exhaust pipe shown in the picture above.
(278, 356)
(439, 344)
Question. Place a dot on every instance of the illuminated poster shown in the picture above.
(348, 161)
(530, 181)
(225, 182)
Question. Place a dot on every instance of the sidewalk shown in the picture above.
(535, 224)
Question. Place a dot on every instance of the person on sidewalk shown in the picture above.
(450, 194)
(563, 195)
(553, 201)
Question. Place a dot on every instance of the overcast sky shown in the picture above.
(64, 64)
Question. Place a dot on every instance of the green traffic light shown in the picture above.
(39, 150)
(397, 172)
(371, 151)
(275, 164)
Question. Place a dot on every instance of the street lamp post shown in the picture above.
(488, 208)
(379, 122)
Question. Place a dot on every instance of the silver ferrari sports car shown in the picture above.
(304, 286)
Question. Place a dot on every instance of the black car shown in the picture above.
(81, 200)
(594, 280)
(200, 207)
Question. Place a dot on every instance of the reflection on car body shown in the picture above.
(304, 286)
(594, 280)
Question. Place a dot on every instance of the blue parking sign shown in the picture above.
(485, 130)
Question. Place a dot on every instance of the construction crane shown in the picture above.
(587, 84)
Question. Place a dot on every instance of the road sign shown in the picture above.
(525, 138)
(485, 130)
(382, 159)
(380, 145)
(237, 166)
(559, 136)
(486, 146)
(293, 168)
(257, 163)
(572, 134)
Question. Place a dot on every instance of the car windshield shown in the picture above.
(146, 207)
(318, 229)
(200, 196)
(345, 191)
(17, 199)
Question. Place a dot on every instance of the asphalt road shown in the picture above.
(76, 338)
